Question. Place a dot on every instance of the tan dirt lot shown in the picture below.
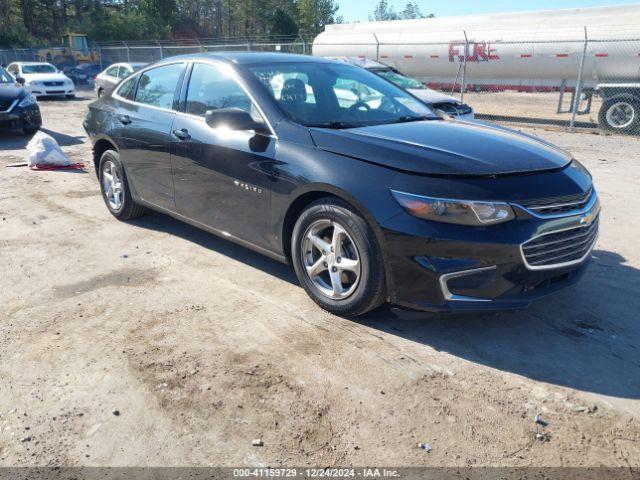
(202, 345)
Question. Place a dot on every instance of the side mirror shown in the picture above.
(233, 118)
(20, 80)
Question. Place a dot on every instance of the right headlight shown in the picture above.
(461, 212)
(27, 101)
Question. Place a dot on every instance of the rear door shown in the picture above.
(222, 177)
(110, 78)
(144, 132)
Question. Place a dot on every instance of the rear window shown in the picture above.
(157, 86)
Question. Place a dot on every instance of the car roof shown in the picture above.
(251, 58)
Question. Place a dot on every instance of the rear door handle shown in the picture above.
(182, 134)
(124, 119)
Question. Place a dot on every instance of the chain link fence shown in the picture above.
(574, 81)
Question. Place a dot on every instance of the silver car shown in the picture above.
(106, 80)
(444, 105)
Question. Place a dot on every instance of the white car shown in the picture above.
(106, 80)
(42, 79)
(443, 104)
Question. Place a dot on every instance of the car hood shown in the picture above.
(443, 147)
(10, 92)
(45, 77)
(431, 96)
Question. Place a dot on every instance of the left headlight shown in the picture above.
(27, 101)
(461, 212)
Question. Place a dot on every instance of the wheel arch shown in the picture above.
(99, 147)
(313, 192)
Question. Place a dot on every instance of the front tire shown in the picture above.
(620, 113)
(337, 259)
(115, 188)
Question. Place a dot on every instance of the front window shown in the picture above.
(212, 88)
(5, 77)
(337, 96)
(79, 43)
(39, 68)
(399, 79)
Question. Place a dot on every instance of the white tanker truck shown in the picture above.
(585, 51)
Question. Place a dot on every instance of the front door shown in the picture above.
(222, 177)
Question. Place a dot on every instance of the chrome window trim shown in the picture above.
(581, 211)
(12, 106)
(189, 115)
(452, 297)
(562, 264)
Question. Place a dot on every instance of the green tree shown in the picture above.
(383, 12)
(313, 15)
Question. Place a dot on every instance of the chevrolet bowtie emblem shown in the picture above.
(587, 218)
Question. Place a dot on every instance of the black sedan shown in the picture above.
(18, 108)
(369, 194)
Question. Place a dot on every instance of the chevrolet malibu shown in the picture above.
(371, 202)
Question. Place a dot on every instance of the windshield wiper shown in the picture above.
(334, 125)
(409, 118)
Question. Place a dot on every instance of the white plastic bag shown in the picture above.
(43, 150)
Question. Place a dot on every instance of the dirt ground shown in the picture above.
(539, 107)
(153, 343)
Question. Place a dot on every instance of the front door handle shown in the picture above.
(124, 119)
(182, 134)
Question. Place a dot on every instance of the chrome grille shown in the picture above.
(555, 205)
(53, 84)
(562, 247)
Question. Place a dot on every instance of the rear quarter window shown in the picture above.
(128, 88)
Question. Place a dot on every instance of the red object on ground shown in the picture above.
(71, 166)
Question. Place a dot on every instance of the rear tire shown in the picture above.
(337, 259)
(115, 189)
(620, 113)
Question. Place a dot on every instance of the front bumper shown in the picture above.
(447, 268)
(19, 117)
(50, 91)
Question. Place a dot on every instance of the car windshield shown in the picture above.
(5, 77)
(399, 79)
(338, 96)
(39, 68)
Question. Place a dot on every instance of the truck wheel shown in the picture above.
(620, 113)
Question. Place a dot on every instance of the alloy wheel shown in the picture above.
(112, 185)
(331, 260)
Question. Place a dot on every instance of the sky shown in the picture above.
(359, 10)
